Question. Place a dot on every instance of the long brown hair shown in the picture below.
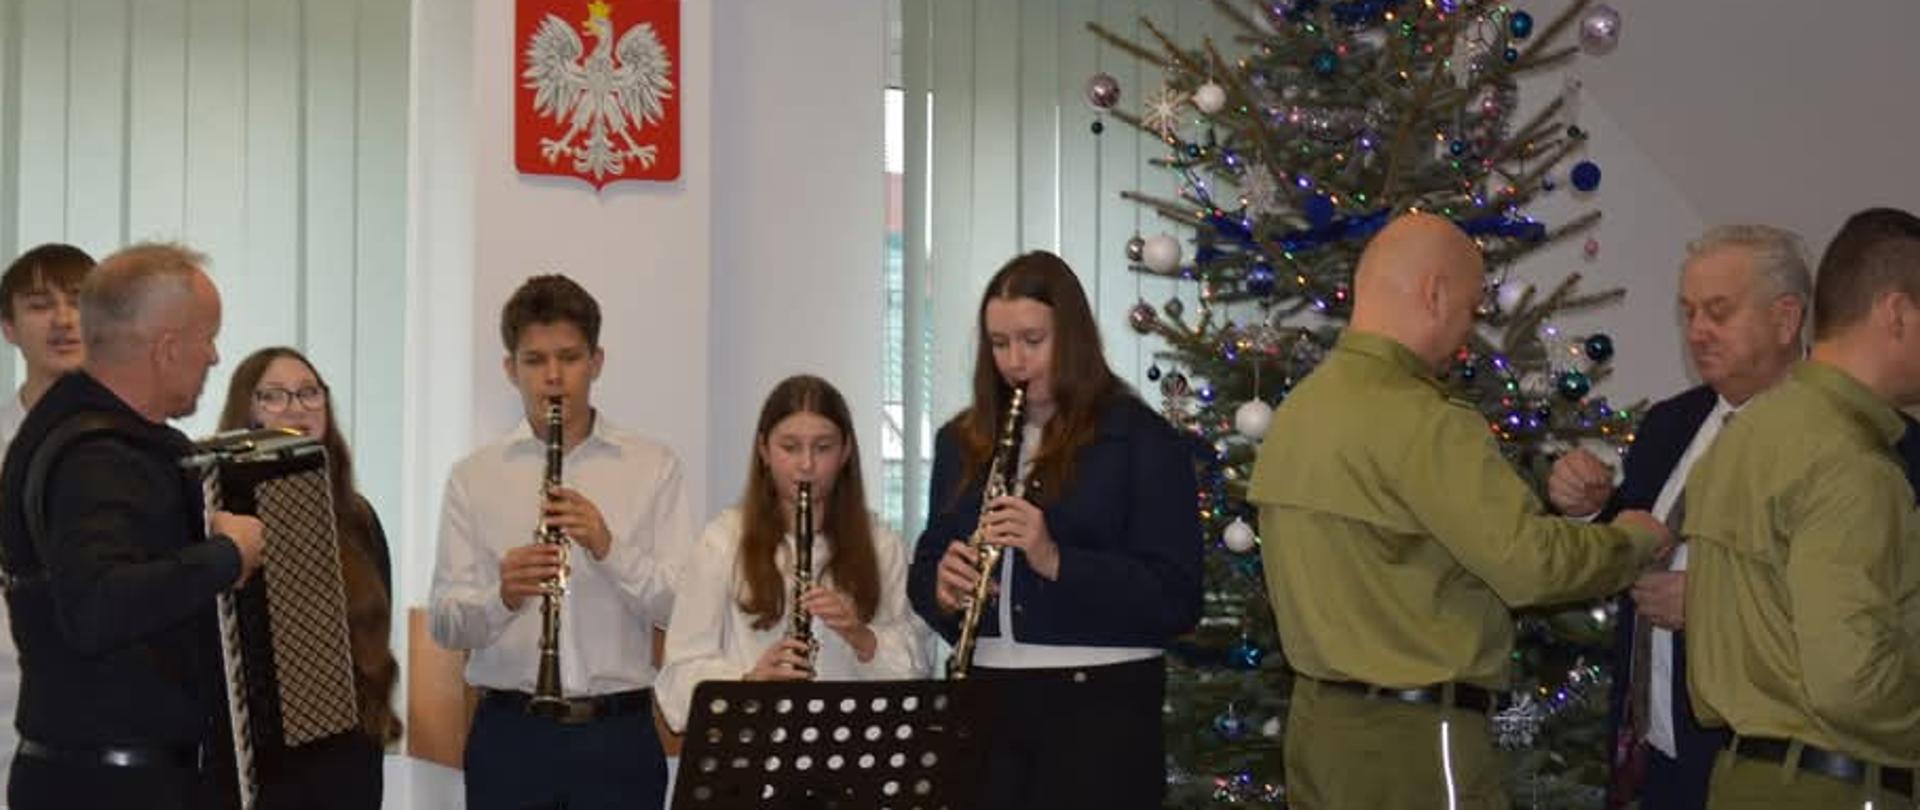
(852, 565)
(1082, 382)
(369, 613)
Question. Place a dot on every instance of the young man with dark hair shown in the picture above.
(623, 508)
(40, 314)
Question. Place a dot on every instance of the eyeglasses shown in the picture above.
(275, 400)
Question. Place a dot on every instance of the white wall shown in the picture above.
(798, 218)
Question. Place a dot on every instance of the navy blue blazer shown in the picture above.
(1660, 441)
(1127, 526)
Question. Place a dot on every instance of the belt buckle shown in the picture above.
(579, 711)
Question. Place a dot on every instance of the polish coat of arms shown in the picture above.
(597, 100)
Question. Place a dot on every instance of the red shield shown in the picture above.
(597, 89)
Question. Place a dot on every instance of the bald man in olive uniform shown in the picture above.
(1398, 540)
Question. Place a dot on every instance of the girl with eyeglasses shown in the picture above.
(278, 388)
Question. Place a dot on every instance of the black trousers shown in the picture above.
(40, 784)
(344, 772)
(517, 761)
(1080, 737)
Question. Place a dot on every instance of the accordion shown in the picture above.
(283, 637)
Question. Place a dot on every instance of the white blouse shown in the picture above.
(711, 638)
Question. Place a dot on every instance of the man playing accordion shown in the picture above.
(111, 576)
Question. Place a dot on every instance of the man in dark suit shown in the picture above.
(1744, 292)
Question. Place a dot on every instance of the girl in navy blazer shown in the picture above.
(1102, 562)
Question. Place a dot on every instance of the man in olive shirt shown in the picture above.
(1804, 601)
(1397, 540)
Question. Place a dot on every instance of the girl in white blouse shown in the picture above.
(730, 615)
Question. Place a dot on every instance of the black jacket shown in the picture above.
(118, 640)
(1129, 533)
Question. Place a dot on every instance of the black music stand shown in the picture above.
(837, 745)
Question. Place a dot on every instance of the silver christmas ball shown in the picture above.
(1238, 536)
(1600, 30)
(1510, 294)
(1136, 248)
(1103, 91)
(1252, 419)
(1142, 317)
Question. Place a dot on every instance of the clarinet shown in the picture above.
(1002, 479)
(802, 628)
(547, 697)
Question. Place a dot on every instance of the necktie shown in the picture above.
(1630, 747)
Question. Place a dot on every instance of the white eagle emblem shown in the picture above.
(605, 100)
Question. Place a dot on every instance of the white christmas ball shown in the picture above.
(1162, 254)
(1210, 98)
(1271, 728)
(1239, 536)
(1252, 418)
(1510, 294)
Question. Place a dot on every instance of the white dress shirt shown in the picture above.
(713, 639)
(493, 504)
(1660, 731)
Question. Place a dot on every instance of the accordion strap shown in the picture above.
(80, 427)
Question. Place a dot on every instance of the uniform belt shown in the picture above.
(577, 710)
(182, 757)
(1826, 763)
(1465, 696)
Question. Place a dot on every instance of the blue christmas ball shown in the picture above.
(1599, 348)
(1326, 62)
(1230, 725)
(1520, 25)
(1458, 148)
(1319, 210)
(1153, 373)
(1247, 565)
(1245, 654)
(1574, 385)
(1260, 280)
(1512, 55)
(1586, 175)
(1467, 371)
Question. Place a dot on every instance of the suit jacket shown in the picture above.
(1662, 438)
(1128, 531)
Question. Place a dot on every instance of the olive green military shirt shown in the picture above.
(1803, 588)
(1396, 536)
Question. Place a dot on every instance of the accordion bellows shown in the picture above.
(306, 609)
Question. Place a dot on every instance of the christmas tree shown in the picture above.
(1292, 144)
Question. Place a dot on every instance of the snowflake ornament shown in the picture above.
(1260, 191)
(1162, 112)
